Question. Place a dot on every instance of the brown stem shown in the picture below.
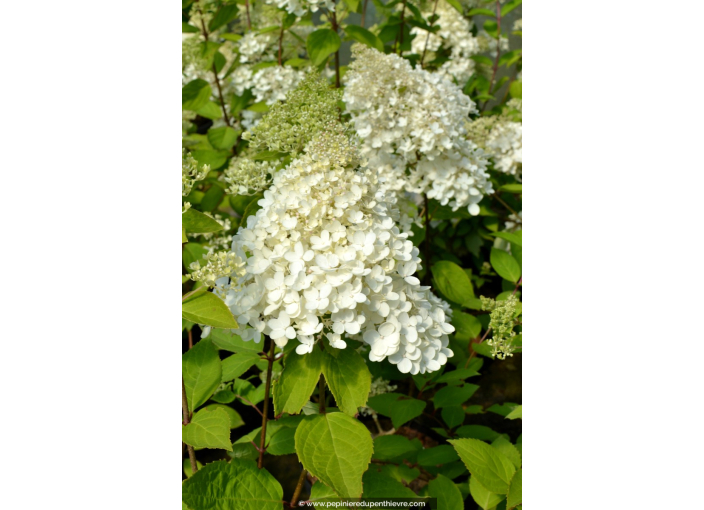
(427, 37)
(518, 284)
(281, 40)
(249, 403)
(186, 421)
(299, 487)
(364, 12)
(498, 49)
(403, 12)
(472, 352)
(496, 196)
(265, 413)
(249, 20)
(215, 72)
(190, 339)
(321, 395)
(333, 21)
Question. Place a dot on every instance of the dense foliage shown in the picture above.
(351, 190)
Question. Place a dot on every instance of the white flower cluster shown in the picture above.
(301, 7)
(324, 257)
(501, 136)
(411, 119)
(190, 173)
(253, 46)
(247, 177)
(455, 34)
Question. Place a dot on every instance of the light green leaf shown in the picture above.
(184, 239)
(504, 446)
(348, 378)
(229, 341)
(512, 188)
(448, 495)
(201, 373)
(187, 468)
(505, 265)
(235, 418)
(336, 449)
(512, 237)
(210, 110)
(481, 496)
(282, 442)
(457, 5)
(516, 89)
(379, 485)
(195, 94)
(196, 222)
(192, 252)
(234, 485)
(206, 308)
(457, 375)
(515, 492)
(443, 454)
(225, 14)
(482, 12)
(298, 379)
(492, 469)
(321, 493)
(452, 281)
(214, 158)
(321, 44)
(237, 364)
(364, 36)
(400, 408)
(454, 395)
(508, 7)
(394, 448)
(516, 413)
(208, 429)
(222, 138)
(268, 156)
(477, 432)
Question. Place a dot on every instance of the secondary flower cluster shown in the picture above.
(325, 257)
(246, 176)
(217, 265)
(190, 173)
(411, 119)
(501, 324)
(301, 7)
(501, 136)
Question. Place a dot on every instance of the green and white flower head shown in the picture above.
(191, 172)
(410, 119)
(301, 7)
(501, 324)
(248, 177)
(325, 257)
(290, 125)
(501, 136)
(219, 269)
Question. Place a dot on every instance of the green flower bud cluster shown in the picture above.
(501, 324)
(190, 173)
(247, 177)
(291, 124)
(218, 265)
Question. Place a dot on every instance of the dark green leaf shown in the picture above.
(321, 44)
(364, 36)
(195, 94)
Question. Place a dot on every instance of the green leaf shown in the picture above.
(201, 373)
(236, 420)
(195, 94)
(187, 468)
(188, 29)
(516, 89)
(380, 485)
(268, 156)
(492, 28)
(206, 308)
(394, 448)
(364, 36)
(482, 12)
(212, 198)
(453, 415)
(477, 432)
(234, 485)
(516, 413)
(225, 14)
(492, 469)
(505, 265)
(196, 222)
(282, 442)
(511, 237)
(348, 377)
(208, 429)
(512, 188)
(237, 364)
(321, 44)
(457, 5)
(466, 326)
(443, 454)
(228, 341)
(336, 449)
(398, 407)
(353, 5)
(452, 281)
(321, 493)
(222, 138)
(448, 495)
(210, 110)
(482, 497)
(192, 252)
(214, 158)
(515, 493)
(511, 452)
(457, 375)
(508, 7)
(298, 379)
(454, 395)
